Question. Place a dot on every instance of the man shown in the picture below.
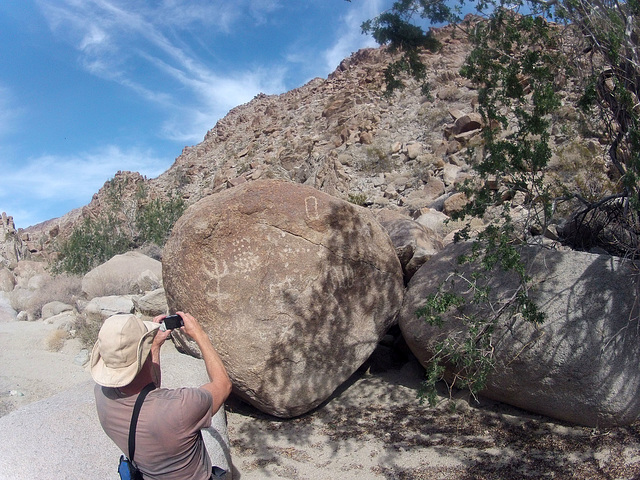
(169, 444)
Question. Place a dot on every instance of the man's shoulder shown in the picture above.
(182, 394)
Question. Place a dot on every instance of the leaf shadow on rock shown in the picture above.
(578, 365)
(582, 359)
(374, 425)
(339, 318)
(377, 428)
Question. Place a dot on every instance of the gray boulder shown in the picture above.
(66, 320)
(129, 273)
(12, 249)
(7, 280)
(152, 304)
(54, 308)
(294, 286)
(580, 365)
(37, 282)
(100, 308)
(414, 243)
(27, 269)
(21, 298)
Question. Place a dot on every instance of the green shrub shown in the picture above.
(124, 226)
(357, 198)
(155, 220)
(90, 244)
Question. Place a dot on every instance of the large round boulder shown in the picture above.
(128, 273)
(580, 365)
(295, 288)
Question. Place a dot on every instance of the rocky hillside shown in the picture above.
(342, 136)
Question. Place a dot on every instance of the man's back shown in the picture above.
(168, 440)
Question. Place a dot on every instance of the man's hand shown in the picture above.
(192, 327)
(161, 336)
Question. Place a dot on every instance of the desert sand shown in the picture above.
(373, 427)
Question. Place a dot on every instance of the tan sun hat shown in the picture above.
(123, 344)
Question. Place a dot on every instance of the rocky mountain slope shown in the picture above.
(342, 136)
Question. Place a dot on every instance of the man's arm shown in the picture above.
(220, 384)
(158, 341)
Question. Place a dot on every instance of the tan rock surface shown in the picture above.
(296, 288)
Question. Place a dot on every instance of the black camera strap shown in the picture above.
(134, 418)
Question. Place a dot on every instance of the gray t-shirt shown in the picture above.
(169, 444)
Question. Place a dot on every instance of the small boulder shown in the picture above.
(152, 304)
(413, 150)
(467, 123)
(7, 280)
(26, 269)
(455, 203)
(414, 243)
(100, 308)
(54, 308)
(432, 219)
(63, 321)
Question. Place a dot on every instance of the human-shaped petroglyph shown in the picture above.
(215, 277)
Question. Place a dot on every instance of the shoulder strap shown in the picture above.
(134, 418)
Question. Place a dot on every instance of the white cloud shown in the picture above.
(218, 95)
(68, 181)
(351, 38)
(193, 94)
(51, 175)
(94, 37)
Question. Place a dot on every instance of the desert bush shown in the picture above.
(155, 219)
(434, 117)
(450, 94)
(102, 286)
(377, 161)
(63, 288)
(151, 250)
(121, 227)
(56, 339)
(87, 331)
(577, 170)
(357, 198)
(90, 244)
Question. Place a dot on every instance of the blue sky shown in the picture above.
(90, 87)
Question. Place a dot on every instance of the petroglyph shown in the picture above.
(246, 262)
(215, 277)
(244, 259)
(311, 207)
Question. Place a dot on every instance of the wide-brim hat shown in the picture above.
(123, 345)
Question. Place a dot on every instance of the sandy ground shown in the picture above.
(372, 428)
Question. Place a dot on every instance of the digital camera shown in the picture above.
(171, 322)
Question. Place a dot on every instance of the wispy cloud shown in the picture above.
(350, 37)
(103, 31)
(69, 181)
(347, 38)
